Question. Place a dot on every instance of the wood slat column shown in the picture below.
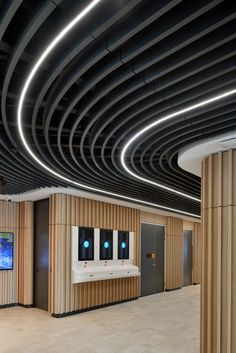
(9, 222)
(218, 293)
(197, 253)
(174, 253)
(25, 260)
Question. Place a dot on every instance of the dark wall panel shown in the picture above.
(41, 253)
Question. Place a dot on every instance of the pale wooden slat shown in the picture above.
(218, 290)
(197, 253)
(16, 286)
(152, 218)
(174, 253)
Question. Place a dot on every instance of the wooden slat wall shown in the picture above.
(188, 225)
(65, 211)
(152, 218)
(218, 295)
(174, 253)
(25, 263)
(9, 221)
(197, 253)
(16, 286)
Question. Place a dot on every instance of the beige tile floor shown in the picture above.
(162, 323)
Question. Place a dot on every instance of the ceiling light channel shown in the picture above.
(159, 122)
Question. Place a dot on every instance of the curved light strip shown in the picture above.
(23, 94)
(158, 122)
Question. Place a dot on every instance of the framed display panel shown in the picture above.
(123, 245)
(86, 244)
(106, 244)
(6, 250)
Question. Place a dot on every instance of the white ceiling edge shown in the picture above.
(44, 193)
(191, 156)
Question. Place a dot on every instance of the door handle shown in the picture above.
(153, 265)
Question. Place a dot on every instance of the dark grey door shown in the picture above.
(152, 259)
(187, 258)
(41, 253)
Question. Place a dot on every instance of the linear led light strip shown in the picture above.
(155, 124)
(25, 90)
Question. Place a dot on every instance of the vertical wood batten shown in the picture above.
(25, 285)
(218, 297)
(16, 286)
(9, 215)
(174, 253)
(197, 253)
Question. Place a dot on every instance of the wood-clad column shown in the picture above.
(9, 222)
(218, 297)
(174, 253)
(197, 253)
(25, 259)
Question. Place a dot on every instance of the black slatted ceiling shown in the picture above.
(126, 64)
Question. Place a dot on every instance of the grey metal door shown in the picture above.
(152, 258)
(187, 258)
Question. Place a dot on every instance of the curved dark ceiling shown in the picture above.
(125, 64)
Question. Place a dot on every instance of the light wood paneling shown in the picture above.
(152, 218)
(9, 220)
(65, 211)
(197, 249)
(16, 285)
(197, 253)
(188, 225)
(25, 262)
(218, 295)
(174, 253)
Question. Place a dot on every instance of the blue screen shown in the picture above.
(86, 244)
(123, 245)
(106, 245)
(6, 251)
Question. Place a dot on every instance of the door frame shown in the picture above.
(155, 224)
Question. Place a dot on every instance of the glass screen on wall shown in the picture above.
(106, 244)
(123, 245)
(86, 244)
(6, 250)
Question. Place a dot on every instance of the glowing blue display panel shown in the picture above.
(106, 244)
(86, 244)
(6, 250)
(123, 245)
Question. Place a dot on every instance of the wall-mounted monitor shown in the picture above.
(123, 245)
(106, 244)
(6, 250)
(86, 244)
